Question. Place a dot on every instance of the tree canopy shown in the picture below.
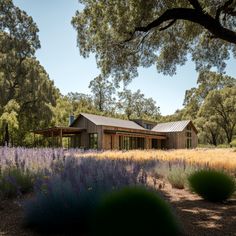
(25, 88)
(127, 34)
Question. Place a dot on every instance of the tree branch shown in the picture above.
(169, 25)
(193, 15)
(195, 4)
(222, 8)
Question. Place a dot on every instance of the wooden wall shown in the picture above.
(90, 127)
(177, 140)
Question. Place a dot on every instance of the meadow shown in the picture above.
(67, 176)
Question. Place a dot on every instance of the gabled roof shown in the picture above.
(176, 126)
(108, 121)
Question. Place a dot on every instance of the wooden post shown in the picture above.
(61, 137)
(52, 139)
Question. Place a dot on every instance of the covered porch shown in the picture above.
(57, 135)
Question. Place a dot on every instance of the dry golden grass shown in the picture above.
(214, 158)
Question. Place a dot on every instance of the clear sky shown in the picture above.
(72, 73)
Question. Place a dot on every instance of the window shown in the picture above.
(93, 141)
(147, 126)
(127, 142)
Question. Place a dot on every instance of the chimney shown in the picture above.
(71, 119)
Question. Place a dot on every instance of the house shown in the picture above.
(104, 133)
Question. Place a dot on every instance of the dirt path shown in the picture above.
(198, 217)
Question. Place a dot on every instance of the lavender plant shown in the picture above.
(66, 200)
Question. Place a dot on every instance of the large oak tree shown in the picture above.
(127, 34)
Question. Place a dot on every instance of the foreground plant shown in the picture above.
(212, 185)
(133, 212)
(65, 201)
(15, 182)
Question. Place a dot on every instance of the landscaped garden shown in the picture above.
(72, 192)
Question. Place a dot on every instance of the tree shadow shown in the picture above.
(199, 217)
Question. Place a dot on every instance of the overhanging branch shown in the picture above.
(193, 15)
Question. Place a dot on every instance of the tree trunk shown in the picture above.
(6, 136)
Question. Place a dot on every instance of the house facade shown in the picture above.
(105, 133)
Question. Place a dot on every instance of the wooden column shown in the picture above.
(61, 137)
(52, 138)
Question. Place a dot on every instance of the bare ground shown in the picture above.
(198, 217)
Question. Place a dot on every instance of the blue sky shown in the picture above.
(72, 73)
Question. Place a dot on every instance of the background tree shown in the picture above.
(135, 105)
(161, 32)
(9, 122)
(81, 103)
(103, 93)
(209, 131)
(22, 78)
(220, 106)
(207, 81)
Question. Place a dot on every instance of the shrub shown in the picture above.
(65, 201)
(233, 143)
(60, 209)
(177, 178)
(212, 185)
(133, 211)
(14, 182)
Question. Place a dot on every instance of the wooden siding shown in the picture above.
(178, 140)
(108, 141)
(90, 128)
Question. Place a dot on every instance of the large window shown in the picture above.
(93, 141)
(127, 143)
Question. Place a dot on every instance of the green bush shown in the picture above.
(233, 143)
(133, 212)
(14, 182)
(212, 185)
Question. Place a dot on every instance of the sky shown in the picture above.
(60, 57)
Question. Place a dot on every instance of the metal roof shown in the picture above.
(176, 126)
(108, 121)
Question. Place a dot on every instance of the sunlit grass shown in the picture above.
(212, 158)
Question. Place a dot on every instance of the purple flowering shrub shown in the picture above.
(66, 200)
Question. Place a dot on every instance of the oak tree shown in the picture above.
(127, 34)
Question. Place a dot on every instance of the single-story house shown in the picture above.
(105, 133)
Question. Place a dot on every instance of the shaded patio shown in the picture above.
(57, 134)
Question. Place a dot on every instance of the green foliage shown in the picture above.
(233, 143)
(136, 105)
(223, 145)
(121, 43)
(212, 185)
(219, 106)
(103, 93)
(134, 211)
(14, 181)
(26, 90)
